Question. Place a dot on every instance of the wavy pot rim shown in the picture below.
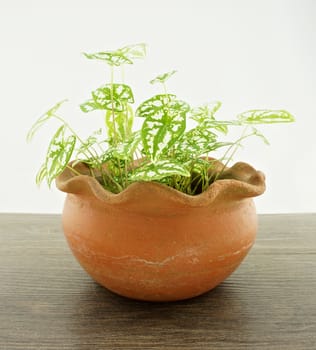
(235, 183)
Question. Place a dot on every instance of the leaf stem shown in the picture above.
(164, 88)
(236, 144)
(112, 105)
(74, 133)
(73, 170)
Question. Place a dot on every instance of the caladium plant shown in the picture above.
(164, 150)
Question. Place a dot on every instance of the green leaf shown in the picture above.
(157, 104)
(256, 132)
(124, 55)
(219, 123)
(59, 152)
(112, 58)
(111, 131)
(162, 78)
(89, 106)
(42, 173)
(197, 142)
(125, 150)
(136, 51)
(265, 116)
(207, 111)
(123, 124)
(97, 132)
(201, 165)
(159, 170)
(121, 92)
(41, 121)
(110, 97)
(164, 124)
(219, 126)
(89, 143)
(113, 97)
(105, 157)
(204, 116)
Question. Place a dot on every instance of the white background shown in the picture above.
(245, 53)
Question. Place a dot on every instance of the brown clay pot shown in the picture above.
(152, 242)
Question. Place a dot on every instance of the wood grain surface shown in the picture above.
(48, 302)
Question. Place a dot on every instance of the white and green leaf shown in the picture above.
(105, 156)
(92, 141)
(265, 116)
(113, 97)
(89, 106)
(59, 153)
(125, 150)
(119, 57)
(256, 132)
(123, 121)
(162, 129)
(155, 105)
(41, 174)
(205, 112)
(201, 165)
(42, 119)
(196, 142)
(112, 58)
(159, 170)
(136, 51)
(124, 125)
(205, 117)
(162, 78)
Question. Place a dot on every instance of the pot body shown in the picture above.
(161, 253)
(151, 242)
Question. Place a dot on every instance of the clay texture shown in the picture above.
(151, 242)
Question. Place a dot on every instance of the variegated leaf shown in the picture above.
(196, 142)
(159, 170)
(135, 51)
(265, 116)
(119, 57)
(112, 97)
(204, 116)
(112, 58)
(89, 106)
(207, 111)
(162, 78)
(91, 141)
(256, 132)
(59, 152)
(42, 119)
(155, 105)
(42, 173)
(160, 131)
(125, 150)
(123, 124)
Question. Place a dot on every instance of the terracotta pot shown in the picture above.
(151, 242)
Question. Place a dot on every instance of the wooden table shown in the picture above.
(48, 302)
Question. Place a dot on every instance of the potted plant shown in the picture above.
(149, 213)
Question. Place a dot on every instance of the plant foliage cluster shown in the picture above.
(163, 150)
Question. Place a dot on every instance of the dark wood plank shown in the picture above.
(48, 302)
